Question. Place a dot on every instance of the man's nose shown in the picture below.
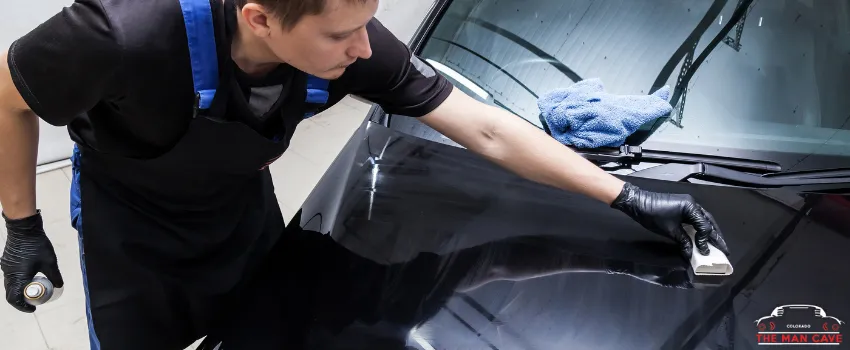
(361, 48)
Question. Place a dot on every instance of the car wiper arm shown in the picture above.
(632, 155)
(811, 174)
(682, 172)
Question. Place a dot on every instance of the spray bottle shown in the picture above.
(41, 291)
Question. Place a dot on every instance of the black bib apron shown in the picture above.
(165, 241)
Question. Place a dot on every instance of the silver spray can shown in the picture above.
(41, 291)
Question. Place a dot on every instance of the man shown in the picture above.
(178, 107)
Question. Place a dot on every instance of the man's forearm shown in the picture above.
(18, 149)
(518, 146)
(18, 153)
(528, 151)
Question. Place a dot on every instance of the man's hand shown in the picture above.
(664, 214)
(28, 251)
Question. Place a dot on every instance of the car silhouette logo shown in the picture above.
(799, 324)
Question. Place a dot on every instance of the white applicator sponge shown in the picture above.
(713, 264)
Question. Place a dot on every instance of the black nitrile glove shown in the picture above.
(664, 214)
(28, 251)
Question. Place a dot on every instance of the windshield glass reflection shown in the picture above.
(753, 79)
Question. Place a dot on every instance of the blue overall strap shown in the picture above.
(317, 92)
(197, 15)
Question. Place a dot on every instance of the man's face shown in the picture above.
(325, 44)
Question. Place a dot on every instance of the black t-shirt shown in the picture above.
(118, 74)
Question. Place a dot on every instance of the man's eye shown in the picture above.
(340, 37)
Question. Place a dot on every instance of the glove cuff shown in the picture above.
(25, 224)
(626, 194)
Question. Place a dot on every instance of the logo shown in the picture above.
(799, 325)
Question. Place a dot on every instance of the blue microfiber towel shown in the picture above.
(585, 116)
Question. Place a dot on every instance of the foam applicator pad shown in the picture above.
(714, 264)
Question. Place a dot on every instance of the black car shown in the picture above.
(409, 241)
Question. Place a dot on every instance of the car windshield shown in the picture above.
(774, 86)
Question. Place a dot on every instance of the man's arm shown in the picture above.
(18, 149)
(27, 250)
(516, 145)
(403, 84)
(60, 69)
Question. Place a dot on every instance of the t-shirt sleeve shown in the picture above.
(66, 65)
(394, 78)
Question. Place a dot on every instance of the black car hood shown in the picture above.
(475, 257)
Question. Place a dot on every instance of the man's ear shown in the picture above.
(257, 18)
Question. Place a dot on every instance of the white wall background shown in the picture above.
(402, 17)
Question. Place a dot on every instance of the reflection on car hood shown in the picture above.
(472, 256)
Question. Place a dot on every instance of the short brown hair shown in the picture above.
(291, 11)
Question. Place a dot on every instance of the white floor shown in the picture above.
(62, 324)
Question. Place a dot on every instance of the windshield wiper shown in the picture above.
(811, 174)
(632, 155)
(718, 174)
(678, 167)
